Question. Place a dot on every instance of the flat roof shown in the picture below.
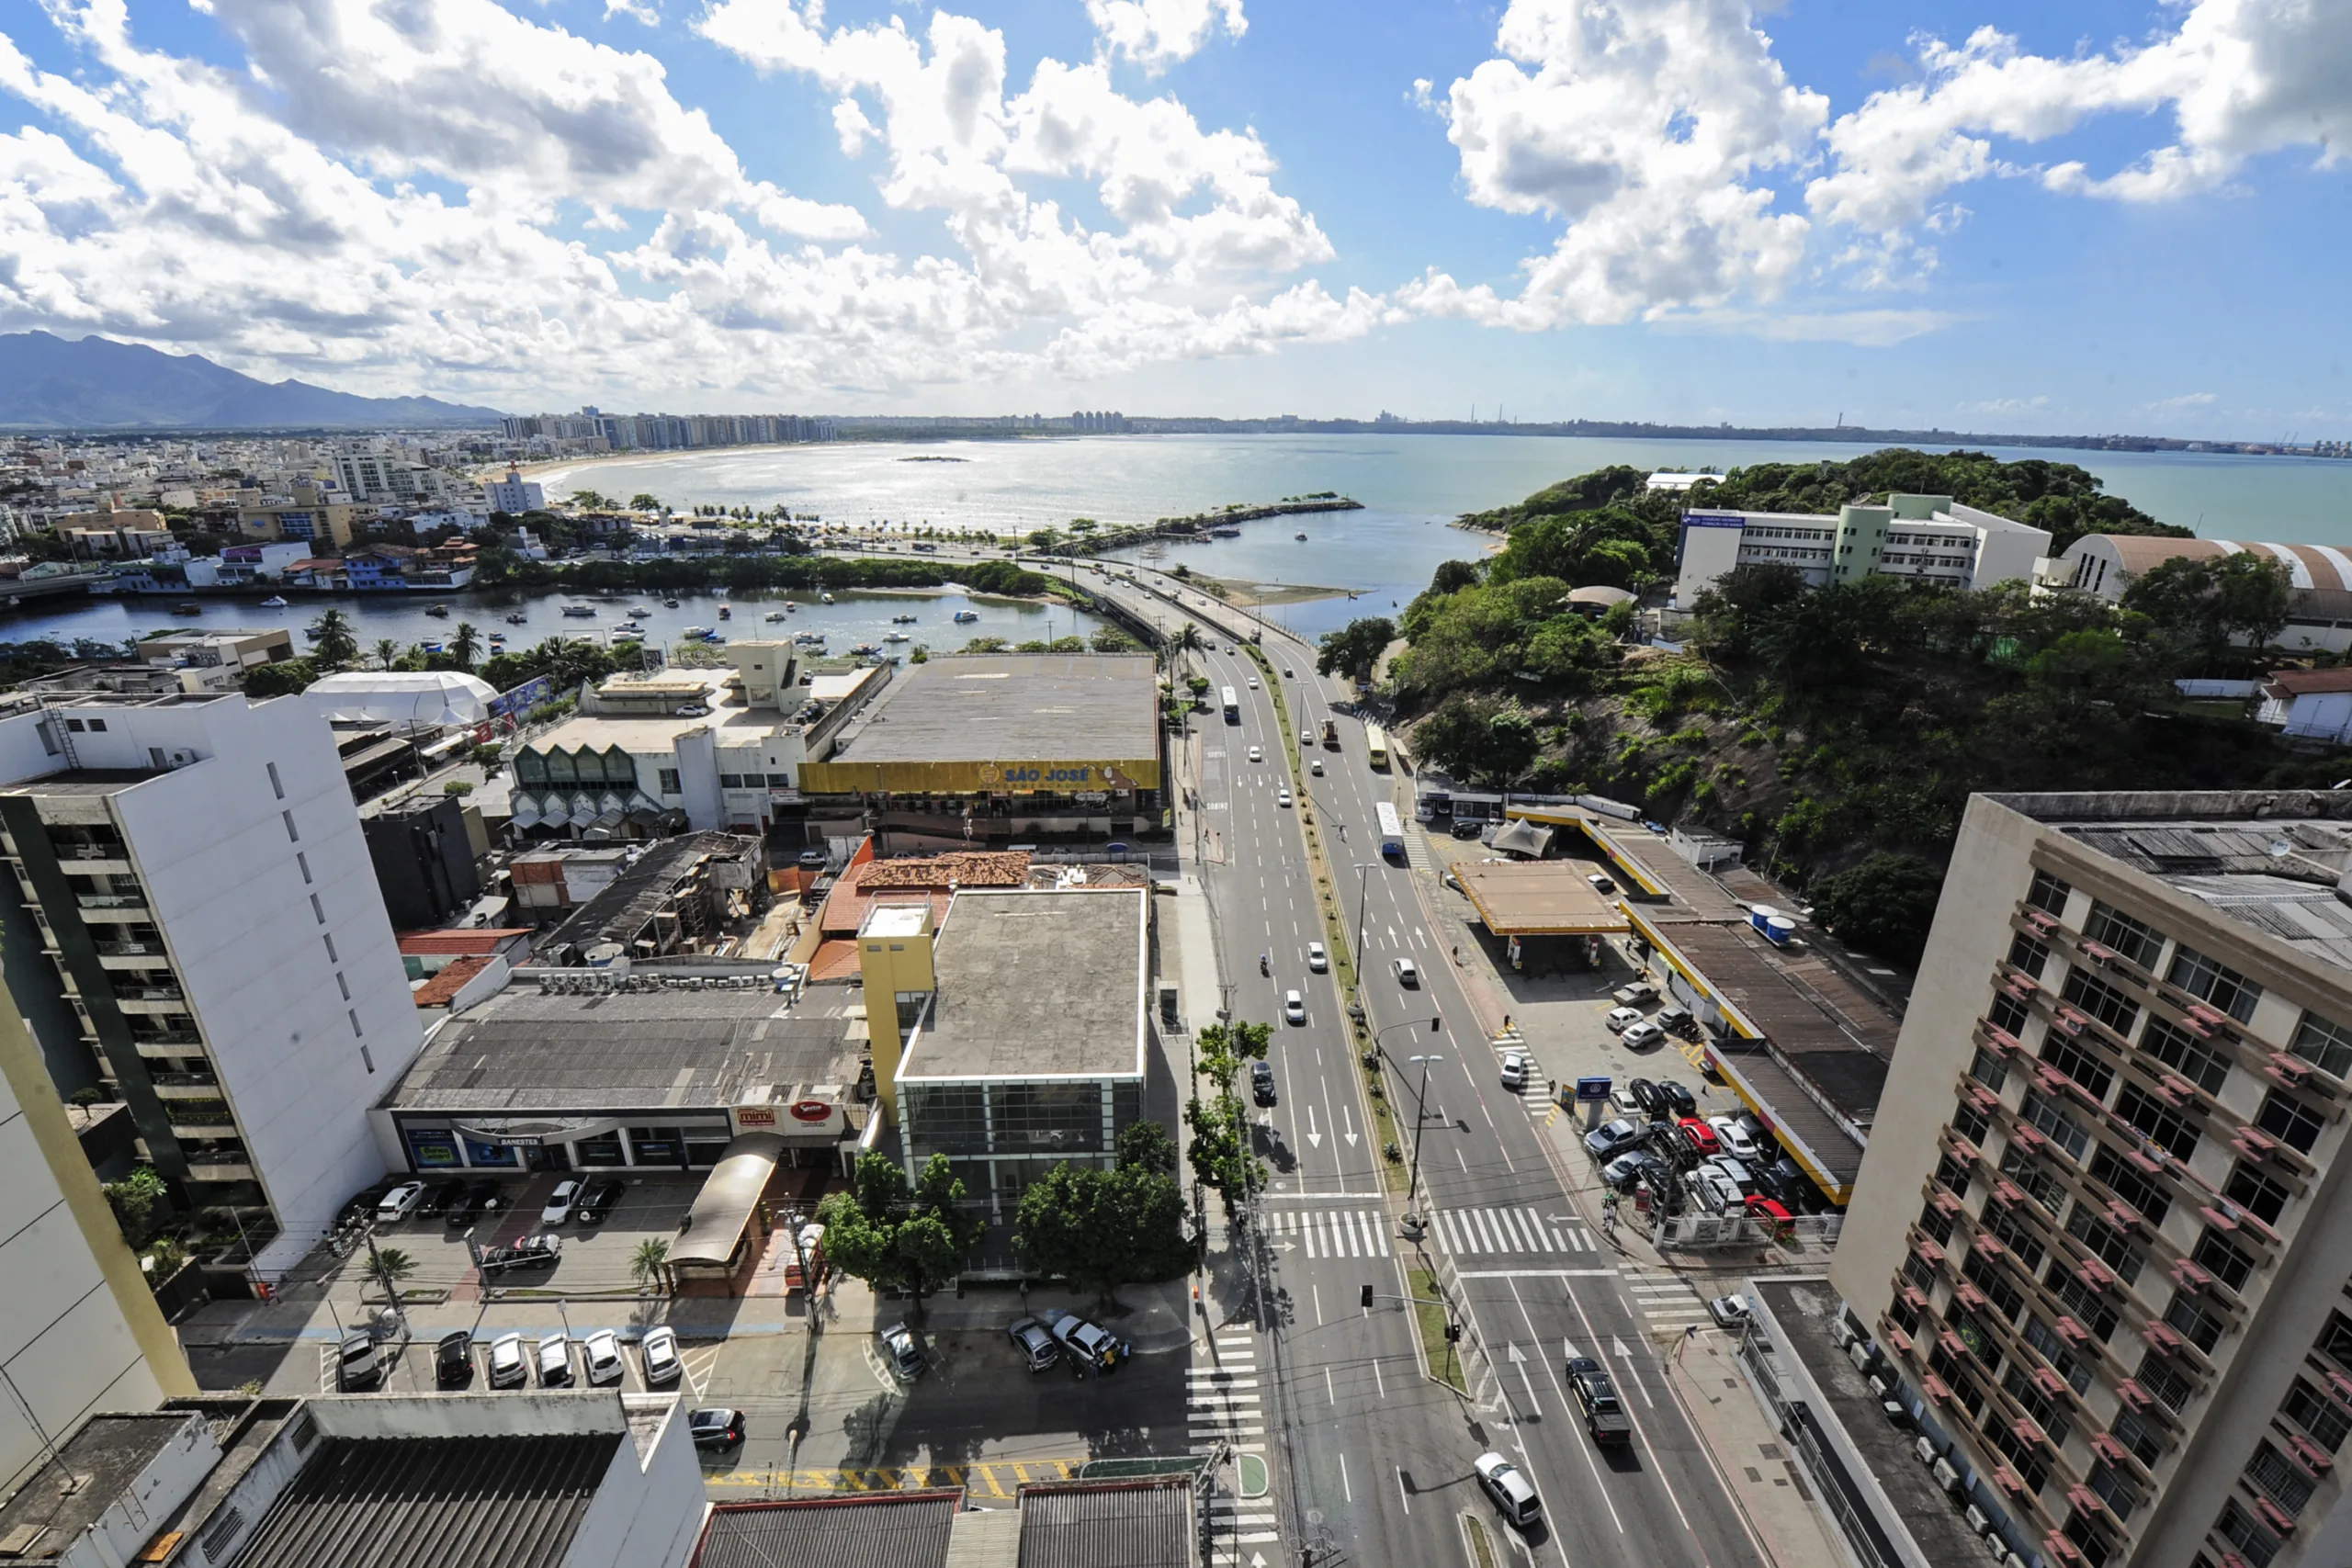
(906, 1529)
(986, 707)
(621, 907)
(1090, 1524)
(1816, 1140)
(1539, 897)
(522, 1052)
(106, 1455)
(1034, 984)
(1831, 1030)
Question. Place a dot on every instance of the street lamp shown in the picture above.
(1363, 887)
(1420, 1106)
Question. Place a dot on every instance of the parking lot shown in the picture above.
(594, 1258)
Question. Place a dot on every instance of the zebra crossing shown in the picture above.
(1224, 1403)
(1346, 1232)
(1466, 1232)
(1669, 1305)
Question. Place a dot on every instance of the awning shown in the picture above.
(1523, 837)
(526, 811)
(532, 1132)
(727, 1198)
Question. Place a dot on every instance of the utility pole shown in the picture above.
(391, 1286)
(1420, 1110)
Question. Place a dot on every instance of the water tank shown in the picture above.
(1779, 930)
(1761, 915)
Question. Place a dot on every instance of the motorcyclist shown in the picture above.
(1265, 963)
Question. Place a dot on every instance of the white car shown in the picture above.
(1314, 768)
(1282, 797)
(660, 1349)
(1256, 755)
(1253, 683)
(555, 1361)
(1408, 975)
(1515, 1070)
(508, 1368)
(1730, 1312)
(1735, 1136)
(1645, 1034)
(560, 1203)
(1508, 1486)
(1621, 1019)
(601, 1352)
(1450, 880)
(1316, 959)
(1294, 1007)
(400, 1202)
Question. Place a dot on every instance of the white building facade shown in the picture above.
(515, 494)
(1928, 537)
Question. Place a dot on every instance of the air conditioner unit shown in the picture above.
(1925, 1449)
(181, 759)
(1860, 1354)
(1846, 1333)
(1977, 1519)
(1946, 1476)
(1878, 1388)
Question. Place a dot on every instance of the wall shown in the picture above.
(648, 1511)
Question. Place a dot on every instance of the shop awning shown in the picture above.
(1522, 837)
(727, 1198)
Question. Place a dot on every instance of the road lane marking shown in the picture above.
(1535, 1274)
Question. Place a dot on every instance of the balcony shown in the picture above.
(133, 954)
(113, 906)
(185, 1086)
(192, 1119)
(177, 1043)
(150, 1000)
(213, 1167)
(87, 859)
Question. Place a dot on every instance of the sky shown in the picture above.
(2057, 217)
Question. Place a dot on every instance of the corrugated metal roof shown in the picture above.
(1116, 1524)
(903, 1531)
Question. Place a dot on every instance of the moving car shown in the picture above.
(1602, 884)
(1261, 1082)
(1604, 1417)
(1508, 1486)
(1253, 683)
(1646, 1095)
(1408, 975)
(716, 1427)
(1294, 1007)
(1678, 1098)
(601, 1351)
(1035, 1342)
(560, 1203)
(1515, 1070)
(1735, 1136)
(1467, 828)
(1316, 959)
(901, 1352)
(1641, 993)
(1314, 768)
(1282, 797)
(1256, 755)
(1287, 675)
(509, 1368)
(554, 1361)
(1730, 1312)
(1087, 1342)
(452, 1359)
(658, 1350)
(1644, 1035)
(1612, 1138)
(1621, 1019)
(1452, 881)
(399, 1203)
(598, 1202)
(358, 1364)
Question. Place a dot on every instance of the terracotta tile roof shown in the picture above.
(2307, 683)
(834, 961)
(976, 868)
(473, 939)
(437, 991)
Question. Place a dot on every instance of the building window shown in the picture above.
(343, 984)
(2130, 939)
(2039, 1184)
(779, 781)
(2335, 1339)
(2260, 1196)
(2317, 1414)
(2198, 1326)
(2108, 1244)
(2043, 1112)
(1919, 1271)
(2215, 983)
(730, 781)
(2082, 1302)
(2327, 1046)
(303, 862)
(2166, 1382)
(327, 937)
(2003, 1227)
(2028, 954)
(2054, 1418)
(1988, 1277)
(2077, 1064)
(2048, 894)
(368, 1059)
(1989, 1069)
(276, 785)
(2185, 1054)
(2165, 1126)
(2290, 1121)
(1937, 1223)
(2254, 1543)
(2026, 1457)
(670, 782)
(1972, 1124)
(2007, 1014)
(601, 1149)
(2128, 1183)
(2101, 1000)
(2278, 1479)
(318, 910)
(353, 1015)
(2059, 1354)
(2223, 1258)
(2143, 1437)
(292, 836)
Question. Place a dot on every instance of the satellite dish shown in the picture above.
(2280, 847)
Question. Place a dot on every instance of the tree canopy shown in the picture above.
(1354, 648)
(897, 1236)
(1099, 1229)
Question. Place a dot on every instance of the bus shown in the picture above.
(1375, 743)
(1232, 706)
(1392, 831)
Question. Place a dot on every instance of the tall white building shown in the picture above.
(1929, 538)
(217, 951)
(515, 494)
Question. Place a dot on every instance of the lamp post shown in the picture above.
(1363, 887)
(1420, 1106)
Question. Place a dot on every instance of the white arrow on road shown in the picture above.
(1617, 1348)
(1350, 1115)
(1516, 1354)
(1313, 1136)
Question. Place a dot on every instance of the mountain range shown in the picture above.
(94, 383)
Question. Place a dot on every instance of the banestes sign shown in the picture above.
(812, 1110)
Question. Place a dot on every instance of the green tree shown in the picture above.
(641, 502)
(388, 653)
(1099, 1229)
(1146, 1145)
(1222, 1153)
(391, 1266)
(335, 648)
(2210, 602)
(1355, 648)
(465, 646)
(588, 500)
(134, 1199)
(283, 678)
(649, 1265)
(1882, 905)
(894, 1236)
(1477, 738)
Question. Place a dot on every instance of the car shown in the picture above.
(813, 860)
(1643, 1036)
(452, 1359)
(1088, 1342)
(1678, 1021)
(1229, 648)
(1256, 755)
(1646, 1096)
(1508, 1486)
(1261, 1082)
(900, 1353)
(1621, 1019)
(1731, 1166)
(1408, 975)
(1287, 675)
(1515, 1070)
(1641, 1167)
(1604, 1415)
(1294, 1007)
(1318, 959)
(716, 1427)
(560, 1203)
(509, 1368)
(1602, 884)
(526, 1252)
(1734, 1137)
(1641, 993)
(602, 1353)
(481, 1198)
(1699, 1137)
(658, 1351)
(1253, 683)
(1766, 1209)
(399, 1203)
(358, 1364)
(361, 1204)
(1035, 1342)
(1452, 881)
(1678, 1096)
(445, 1197)
(553, 1358)
(1730, 1312)
(1466, 828)
(1612, 1138)
(1314, 768)
(1715, 1192)
(597, 1202)
(1281, 798)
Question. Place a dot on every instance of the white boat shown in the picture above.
(696, 631)
(824, 598)
(895, 636)
(965, 617)
(586, 611)
(275, 602)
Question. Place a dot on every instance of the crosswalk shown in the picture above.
(1225, 1404)
(1668, 1304)
(1347, 1232)
(1466, 1232)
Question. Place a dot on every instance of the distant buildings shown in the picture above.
(1928, 538)
(592, 430)
(308, 512)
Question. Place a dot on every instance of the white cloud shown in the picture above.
(1156, 34)
(2007, 406)
(2187, 402)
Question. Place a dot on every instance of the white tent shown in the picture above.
(407, 699)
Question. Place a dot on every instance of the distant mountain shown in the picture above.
(50, 383)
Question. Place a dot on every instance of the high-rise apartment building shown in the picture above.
(2103, 1231)
(200, 929)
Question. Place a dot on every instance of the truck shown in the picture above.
(1604, 1417)
(1331, 736)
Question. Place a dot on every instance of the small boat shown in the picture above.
(190, 608)
(903, 620)
(586, 612)
(774, 616)
(518, 618)
(637, 612)
(965, 617)
(696, 631)
(791, 608)
(824, 598)
(498, 636)
(1300, 538)
(725, 613)
(669, 603)
(863, 648)
(896, 636)
(439, 611)
(275, 602)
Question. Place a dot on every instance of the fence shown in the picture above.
(1701, 1233)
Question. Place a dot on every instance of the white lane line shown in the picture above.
(1585, 1447)
(1534, 1224)
(1379, 1224)
(1478, 1217)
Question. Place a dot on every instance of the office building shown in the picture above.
(426, 858)
(79, 1327)
(200, 930)
(2103, 1231)
(311, 512)
(515, 494)
(2318, 577)
(1925, 538)
(379, 476)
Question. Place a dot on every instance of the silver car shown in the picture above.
(1035, 1343)
(508, 1366)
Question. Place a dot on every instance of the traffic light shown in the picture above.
(1367, 1298)
(1452, 1332)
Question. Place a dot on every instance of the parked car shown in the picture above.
(452, 1359)
(1261, 1082)
(1715, 1191)
(1515, 1070)
(658, 1350)
(601, 1353)
(482, 1198)
(358, 1364)
(1294, 1007)
(1730, 1312)
(1621, 1019)
(399, 1203)
(1604, 1417)
(1628, 1171)
(1734, 1137)
(1641, 993)
(716, 1427)
(444, 1196)
(1602, 884)
(1759, 1207)
(1676, 1020)
(1508, 1485)
(361, 1204)
(1612, 1138)
(1725, 1165)
(597, 1202)
(1699, 1138)
(1678, 1098)
(1088, 1342)
(1643, 1036)
(1467, 828)
(900, 1353)
(1645, 1094)
(560, 1203)
(1408, 975)
(529, 1252)
(1318, 960)
(1035, 1342)
(1451, 881)
(509, 1367)
(553, 1358)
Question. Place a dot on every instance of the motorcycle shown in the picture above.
(1265, 964)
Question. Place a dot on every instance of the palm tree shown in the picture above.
(649, 1265)
(337, 648)
(465, 646)
(387, 652)
(1189, 638)
(390, 1267)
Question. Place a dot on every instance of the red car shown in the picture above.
(1762, 1208)
(1700, 1137)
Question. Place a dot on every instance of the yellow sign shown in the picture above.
(1040, 776)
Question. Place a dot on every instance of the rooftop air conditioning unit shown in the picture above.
(1946, 1476)
(1977, 1519)
(1860, 1354)
(1846, 1333)
(1925, 1449)
(1878, 1388)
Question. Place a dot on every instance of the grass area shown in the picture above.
(1482, 1543)
(1429, 1316)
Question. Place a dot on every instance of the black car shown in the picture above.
(530, 1252)
(1262, 1083)
(1604, 1417)
(716, 1427)
(363, 1203)
(452, 1359)
(1678, 1099)
(1468, 829)
(1646, 1095)
(481, 1198)
(444, 1198)
(359, 1365)
(597, 1202)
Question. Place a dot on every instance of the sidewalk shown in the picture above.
(1765, 1481)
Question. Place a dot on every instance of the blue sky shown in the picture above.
(2065, 217)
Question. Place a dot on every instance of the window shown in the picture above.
(2130, 939)
(2213, 982)
(318, 910)
(1988, 1277)
(730, 781)
(1933, 1221)
(2277, 1478)
(2112, 1488)
(276, 785)
(328, 938)
(670, 782)
(2026, 1457)
(2223, 1258)
(97, 726)
(2327, 1046)
(353, 1014)
(1950, 1173)
(344, 984)
(2101, 1000)
(2077, 1064)
(2054, 1418)
(2111, 1246)
(2317, 1414)
(2254, 1543)
(2335, 1339)
(302, 862)
(367, 1058)
(2048, 893)
(2128, 1183)
(2005, 1228)
(779, 781)
(2141, 1435)
(2059, 1354)
(2198, 1326)
(1919, 1271)
(75, 726)
(2007, 1014)
(2168, 1384)
(2165, 1126)
(1972, 1123)
(1988, 1070)
(291, 835)
(2290, 1121)
(2043, 1186)
(2028, 954)
(2061, 1129)
(2257, 1193)
(2185, 1054)
(2082, 1302)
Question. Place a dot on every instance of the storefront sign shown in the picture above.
(812, 1110)
(754, 1116)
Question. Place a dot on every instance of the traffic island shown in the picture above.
(1439, 1354)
